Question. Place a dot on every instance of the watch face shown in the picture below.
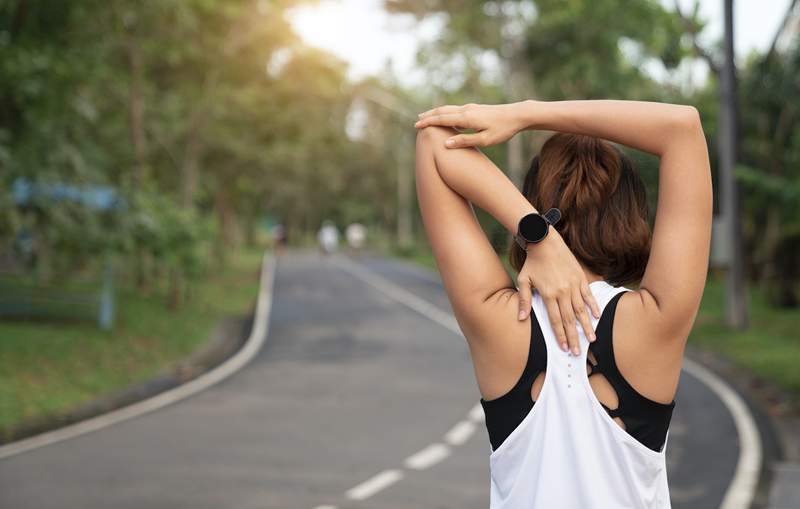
(533, 227)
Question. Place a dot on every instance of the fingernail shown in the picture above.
(521, 315)
(592, 336)
(416, 124)
(450, 142)
(564, 347)
(576, 351)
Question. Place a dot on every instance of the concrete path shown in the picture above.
(354, 401)
(785, 489)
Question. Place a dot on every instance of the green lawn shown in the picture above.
(770, 347)
(47, 367)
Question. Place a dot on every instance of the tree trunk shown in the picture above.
(175, 291)
(226, 218)
(189, 169)
(136, 110)
(143, 271)
(785, 294)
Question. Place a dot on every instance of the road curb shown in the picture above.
(227, 338)
(221, 358)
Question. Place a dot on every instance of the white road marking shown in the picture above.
(403, 296)
(374, 484)
(460, 433)
(233, 364)
(427, 457)
(476, 414)
(742, 488)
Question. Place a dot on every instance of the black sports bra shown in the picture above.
(645, 420)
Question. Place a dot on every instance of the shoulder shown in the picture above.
(498, 342)
(497, 318)
(638, 310)
(648, 352)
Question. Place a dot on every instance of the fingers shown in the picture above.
(446, 119)
(588, 298)
(583, 317)
(554, 313)
(445, 109)
(440, 110)
(568, 320)
(524, 295)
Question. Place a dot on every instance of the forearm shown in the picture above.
(469, 173)
(648, 126)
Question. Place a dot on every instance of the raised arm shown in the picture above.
(675, 276)
(448, 182)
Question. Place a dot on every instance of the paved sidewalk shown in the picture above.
(785, 490)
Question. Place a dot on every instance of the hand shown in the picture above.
(494, 123)
(555, 272)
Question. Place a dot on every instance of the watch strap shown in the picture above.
(521, 242)
(552, 216)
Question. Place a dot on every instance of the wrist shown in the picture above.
(537, 115)
(532, 248)
(534, 228)
(527, 112)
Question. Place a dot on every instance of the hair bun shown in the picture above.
(582, 171)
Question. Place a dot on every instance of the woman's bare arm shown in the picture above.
(675, 276)
(674, 279)
(448, 181)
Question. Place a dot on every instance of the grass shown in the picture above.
(49, 367)
(770, 347)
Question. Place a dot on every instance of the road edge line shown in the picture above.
(230, 366)
(742, 488)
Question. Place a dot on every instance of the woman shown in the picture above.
(578, 406)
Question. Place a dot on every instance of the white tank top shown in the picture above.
(568, 453)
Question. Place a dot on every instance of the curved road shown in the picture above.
(349, 384)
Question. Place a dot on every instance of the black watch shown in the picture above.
(533, 227)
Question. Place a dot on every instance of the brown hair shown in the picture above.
(603, 203)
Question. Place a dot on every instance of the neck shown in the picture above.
(591, 276)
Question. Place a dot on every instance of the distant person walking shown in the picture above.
(356, 234)
(578, 416)
(328, 237)
(279, 238)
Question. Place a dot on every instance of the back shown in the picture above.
(570, 450)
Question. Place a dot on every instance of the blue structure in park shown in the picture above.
(25, 193)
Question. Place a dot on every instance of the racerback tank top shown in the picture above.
(565, 450)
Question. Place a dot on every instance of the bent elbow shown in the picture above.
(689, 119)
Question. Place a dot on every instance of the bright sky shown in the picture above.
(364, 34)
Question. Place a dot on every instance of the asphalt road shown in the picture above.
(348, 385)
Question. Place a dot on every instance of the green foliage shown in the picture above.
(175, 235)
(769, 175)
(208, 114)
(171, 103)
(578, 49)
(65, 236)
(588, 49)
